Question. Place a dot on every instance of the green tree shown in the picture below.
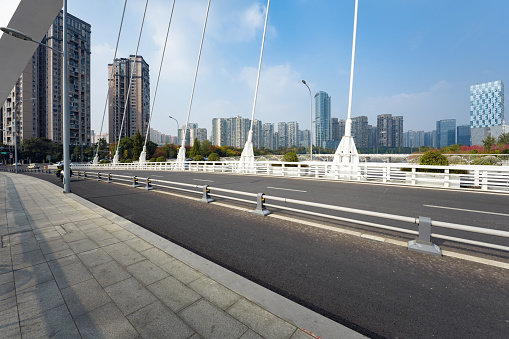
(171, 151)
(290, 157)
(199, 157)
(488, 142)
(213, 157)
(206, 148)
(196, 148)
(138, 141)
(503, 139)
(434, 157)
(151, 148)
(161, 159)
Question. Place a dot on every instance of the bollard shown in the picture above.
(99, 176)
(423, 244)
(85, 174)
(109, 178)
(148, 185)
(260, 205)
(79, 174)
(135, 182)
(206, 195)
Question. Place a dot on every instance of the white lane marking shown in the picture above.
(203, 180)
(286, 189)
(158, 176)
(462, 209)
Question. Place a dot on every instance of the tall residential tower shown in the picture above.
(486, 111)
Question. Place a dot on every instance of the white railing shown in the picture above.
(487, 178)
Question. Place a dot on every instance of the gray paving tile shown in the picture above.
(53, 245)
(94, 257)
(173, 293)
(107, 241)
(157, 256)
(260, 320)
(20, 238)
(158, 321)
(214, 292)
(9, 324)
(123, 235)
(250, 334)
(82, 245)
(87, 225)
(70, 275)
(74, 236)
(60, 255)
(130, 295)
(211, 322)
(109, 273)
(138, 244)
(124, 254)
(6, 277)
(105, 322)
(38, 299)
(22, 260)
(32, 275)
(64, 261)
(299, 334)
(54, 323)
(26, 247)
(146, 272)
(181, 271)
(7, 296)
(85, 297)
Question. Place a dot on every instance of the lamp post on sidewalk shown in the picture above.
(15, 133)
(169, 116)
(310, 121)
(65, 91)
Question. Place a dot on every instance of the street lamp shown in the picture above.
(310, 121)
(169, 116)
(15, 134)
(65, 90)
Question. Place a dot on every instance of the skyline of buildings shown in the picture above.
(42, 80)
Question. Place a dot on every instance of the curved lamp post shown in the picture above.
(310, 121)
(169, 116)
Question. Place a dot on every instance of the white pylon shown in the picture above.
(143, 156)
(346, 153)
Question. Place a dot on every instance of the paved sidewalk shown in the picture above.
(71, 269)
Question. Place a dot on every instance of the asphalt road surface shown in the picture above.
(378, 289)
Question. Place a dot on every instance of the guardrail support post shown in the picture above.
(260, 206)
(109, 178)
(135, 182)
(206, 195)
(79, 174)
(148, 185)
(423, 244)
(99, 176)
(85, 174)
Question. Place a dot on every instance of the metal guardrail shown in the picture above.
(422, 244)
(487, 178)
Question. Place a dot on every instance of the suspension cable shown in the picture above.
(158, 75)
(131, 78)
(109, 80)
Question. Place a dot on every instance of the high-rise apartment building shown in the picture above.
(257, 133)
(486, 111)
(293, 134)
(42, 79)
(413, 139)
(239, 128)
(219, 134)
(463, 135)
(360, 131)
(389, 130)
(322, 118)
(137, 96)
(268, 135)
(282, 134)
(446, 132)
(305, 138)
(337, 129)
(372, 135)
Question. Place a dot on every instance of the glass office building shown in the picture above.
(322, 118)
(446, 132)
(486, 110)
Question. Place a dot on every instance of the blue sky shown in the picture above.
(415, 58)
